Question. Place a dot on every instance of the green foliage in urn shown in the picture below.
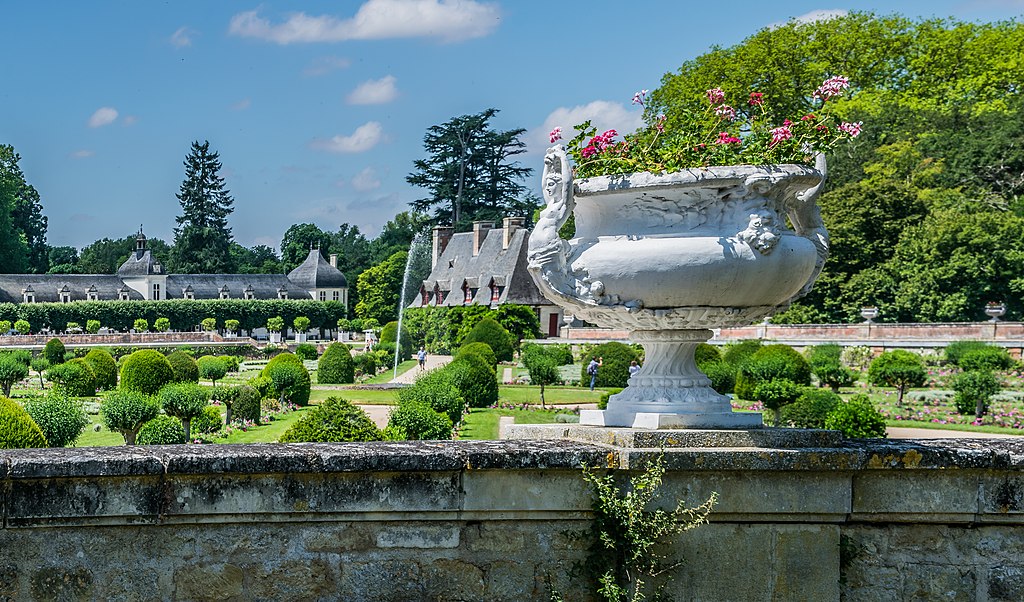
(209, 324)
(92, 326)
(140, 325)
(334, 420)
(231, 325)
(335, 366)
(22, 326)
(60, 418)
(301, 323)
(146, 371)
(5, 327)
(125, 412)
(899, 369)
(161, 324)
(17, 429)
(275, 324)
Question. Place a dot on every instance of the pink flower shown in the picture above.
(780, 134)
(555, 135)
(715, 95)
(588, 152)
(725, 112)
(660, 124)
(808, 117)
(640, 97)
(853, 129)
(756, 99)
(832, 87)
(727, 138)
(603, 141)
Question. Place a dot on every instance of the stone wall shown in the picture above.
(498, 520)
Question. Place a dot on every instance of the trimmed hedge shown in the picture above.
(614, 371)
(54, 351)
(184, 366)
(957, 349)
(771, 362)
(17, 429)
(857, 419)
(489, 331)
(207, 422)
(438, 390)
(306, 351)
(418, 421)
(474, 379)
(162, 430)
(388, 335)
(443, 329)
(334, 420)
(104, 368)
(335, 366)
(986, 358)
(811, 410)
(245, 404)
(146, 371)
(481, 349)
(61, 419)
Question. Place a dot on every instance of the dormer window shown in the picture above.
(424, 296)
(188, 292)
(91, 294)
(224, 293)
(282, 293)
(65, 294)
(28, 295)
(157, 268)
(322, 295)
(467, 294)
(248, 293)
(122, 294)
(495, 292)
(438, 298)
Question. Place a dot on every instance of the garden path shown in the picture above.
(898, 432)
(433, 361)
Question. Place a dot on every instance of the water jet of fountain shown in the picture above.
(410, 265)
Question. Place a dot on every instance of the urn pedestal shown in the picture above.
(669, 257)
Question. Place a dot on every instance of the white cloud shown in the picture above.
(128, 120)
(447, 20)
(241, 105)
(604, 114)
(818, 14)
(366, 180)
(374, 92)
(82, 154)
(103, 116)
(325, 64)
(182, 37)
(363, 139)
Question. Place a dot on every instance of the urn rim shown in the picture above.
(697, 176)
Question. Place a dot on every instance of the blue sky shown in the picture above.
(318, 109)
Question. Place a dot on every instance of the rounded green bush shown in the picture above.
(418, 421)
(722, 375)
(212, 368)
(614, 371)
(306, 351)
(17, 429)
(857, 419)
(562, 354)
(334, 420)
(291, 379)
(245, 404)
(146, 371)
(184, 401)
(365, 363)
(125, 412)
(899, 369)
(481, 349)
(231, 362)
(771, 362)
(775, 394)
(706, 354)
(972, 391)
(162, 430)
(184, 366)
(12, 370)
(957, 349)
(104, 368)
(489, 331)
(474, 379)
(207, 422)
(986, 358)
(388, 335)
(74, 378)
(438, 390)
(811, 409)
(335, 366)
(54, 351)
(738, 353)
(60, 418)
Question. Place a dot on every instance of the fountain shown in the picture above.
(412, 262)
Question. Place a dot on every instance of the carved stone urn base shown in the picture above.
(670, 391)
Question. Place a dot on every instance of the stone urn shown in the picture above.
(669, 257)
(995, 311)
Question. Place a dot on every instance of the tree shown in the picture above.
(259, 259)
(12, 370)
(542, 365)
(471, 173)
(900, 369)
(202, 240)
(184, 401)
(379, 288)
(212, 368)
(297, 242)
(15, 253)
(62, 260)
(104, 256)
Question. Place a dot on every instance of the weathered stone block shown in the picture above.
(341, 538)
(763, 495)
(932, 583)
(503, 491)
(1006, 584)
(91, 501)
(64, 584)
(209, 582)
(454, 580)
(418, 536)
(383, 581)
(908, 496)
(298, 579)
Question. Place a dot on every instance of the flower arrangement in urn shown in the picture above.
(683, 229)
(723, 133)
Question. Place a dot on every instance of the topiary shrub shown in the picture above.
(162, 324)
(306, 351)
(212, 368)
(364, 363)
(207, 422)
(17, 429)
(231, 362)
(140, 325)
(12, 370)
(162, 430)
(184, 366)
(184, 401)
(291, 379)
(245, 404)
(146, 371)
(706, 354)
(438, 390)
(336, 366)
(489, 331)
(54, 351)
(562, 354)
(125, 412)
(104, 368)
(481, 349)
(614, 371)
(388, 336)
(542, 364)
(957, 349)
(899, 369)
(739, 352)
(60, 418)
(775, 394)
(856, 419)
(334, 420)
(418, 421)
(22, 326)
(722, 375)
(986, 359)
(811, 409)
(972, 391)
(834, 375)
(474, 379)
(74, 378)
(263, 385)
(771, 362)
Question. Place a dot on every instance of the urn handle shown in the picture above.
(804, 213)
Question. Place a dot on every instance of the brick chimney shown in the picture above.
(334, 260)
(509, 227)
(480, 230)
(442, 235)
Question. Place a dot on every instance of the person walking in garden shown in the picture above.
(421, 355)
(592, 367)
(633, 368)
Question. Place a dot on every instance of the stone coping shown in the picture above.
(457, 456)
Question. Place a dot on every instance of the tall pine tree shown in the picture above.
(22, 223)
(202, 240)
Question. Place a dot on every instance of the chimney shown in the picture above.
(509, 226)
(334, 260)
(480, 230)
(442, 234)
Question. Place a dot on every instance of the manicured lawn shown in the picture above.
(358, 396)
(90, 438)
(517, 394)
(483, 423)
(265, 433)
(387, 375)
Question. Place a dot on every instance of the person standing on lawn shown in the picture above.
(592, 367)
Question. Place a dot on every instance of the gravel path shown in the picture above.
(433, 361)
(898, 432)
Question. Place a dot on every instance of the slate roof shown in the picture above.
(140, 263)
(317, 272)
(208, 286)
(47, 287)
(457, 267)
